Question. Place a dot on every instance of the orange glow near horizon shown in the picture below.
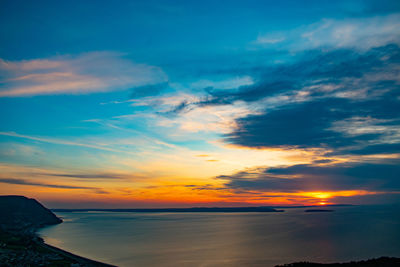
(142, 189)
(178, 195)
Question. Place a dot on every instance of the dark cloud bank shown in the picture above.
(380, 177)
(342, 87)
(344, 101)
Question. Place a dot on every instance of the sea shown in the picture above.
(348, 233)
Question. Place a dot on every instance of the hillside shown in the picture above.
(19, 213)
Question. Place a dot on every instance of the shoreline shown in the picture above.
(33, 247)
(374, 262)
(79, 259)
(27, 248)
(383, 261)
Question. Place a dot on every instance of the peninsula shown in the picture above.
(20, 217)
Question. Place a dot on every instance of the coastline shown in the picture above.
(378, 262)
(32, 246)
(79, 259)
(28, 249)
(82, 261)
(381, 262)
(22, 245)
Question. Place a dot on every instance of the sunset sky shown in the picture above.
(200, 103)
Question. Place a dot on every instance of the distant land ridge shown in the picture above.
(201, 209)
(195, 209)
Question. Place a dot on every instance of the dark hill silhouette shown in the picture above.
(381, 262)
(19, 212)
(20, 217)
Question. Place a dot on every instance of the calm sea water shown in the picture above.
(229, 239)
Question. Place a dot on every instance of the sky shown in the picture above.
(131, 104)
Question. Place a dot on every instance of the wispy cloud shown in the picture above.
(85, 176)
(219, 119)
(81, 74)
(61, 142)
(360, 32)
(364, 33)
(25, 182)
(230, 83)
(96, 176)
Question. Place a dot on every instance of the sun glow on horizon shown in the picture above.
(135, 190)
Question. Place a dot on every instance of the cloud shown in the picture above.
(62, 142)
(312, 177)
(86, 176)
(342, 73)
(149, 90)
(81, 74)
(375, 149)
(341, 100)
(25, 182)
(315, 124)
(220, 119)
(362, 33)
(230, 83)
